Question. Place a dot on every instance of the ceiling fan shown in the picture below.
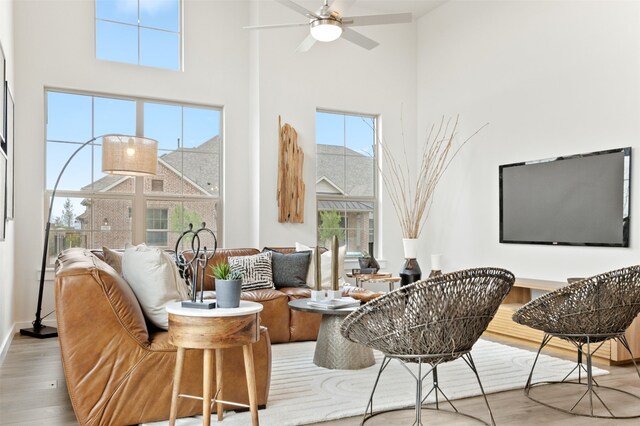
(327, 24)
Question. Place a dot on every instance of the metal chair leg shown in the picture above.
(469, 360)
(544, 342)
(368, 412)
(584, 364)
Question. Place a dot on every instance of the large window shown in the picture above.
(345, 179)
(144, 32)
(93, 209)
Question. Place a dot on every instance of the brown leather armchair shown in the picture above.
(118, 369)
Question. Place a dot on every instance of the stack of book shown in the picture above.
(344, 302)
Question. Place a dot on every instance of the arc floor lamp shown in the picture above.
(121, 155)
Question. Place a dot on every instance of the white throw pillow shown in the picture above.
(155, 280)
(325, 265)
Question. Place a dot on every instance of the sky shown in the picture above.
(155, 42)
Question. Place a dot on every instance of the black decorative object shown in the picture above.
(193, 270)
(410, 272)
(369, 262)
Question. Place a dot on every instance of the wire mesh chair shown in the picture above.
(588, 312)
(430, 322)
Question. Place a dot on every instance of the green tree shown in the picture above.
(330, 226)
(181, 217)
(67, 218)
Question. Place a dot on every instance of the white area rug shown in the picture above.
(302, 393)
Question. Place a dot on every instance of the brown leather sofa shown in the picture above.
(118, 368)
(284, 324)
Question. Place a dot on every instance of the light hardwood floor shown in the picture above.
(33, 392)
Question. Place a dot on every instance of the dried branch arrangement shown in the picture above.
(412, 200)
(290, 181)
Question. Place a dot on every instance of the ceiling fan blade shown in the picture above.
(357, 38)
(298, 8)
(306, 44)
(342, 6)
(391, 18)
(267, 27)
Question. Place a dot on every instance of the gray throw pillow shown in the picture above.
(290, 269)
(113, 259)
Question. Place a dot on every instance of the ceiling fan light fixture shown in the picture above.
(326, 29)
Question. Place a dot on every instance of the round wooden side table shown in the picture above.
(209, 330)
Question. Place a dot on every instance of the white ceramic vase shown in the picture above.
(435, 262)
(410, 248)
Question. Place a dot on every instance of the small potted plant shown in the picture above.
(228, 285)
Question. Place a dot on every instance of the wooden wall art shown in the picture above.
(290, 181)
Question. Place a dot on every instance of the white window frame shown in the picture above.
(138, 197)
(180, 33)
(345, 198)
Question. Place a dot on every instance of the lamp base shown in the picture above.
(43, 332)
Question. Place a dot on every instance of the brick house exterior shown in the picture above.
(107, 221)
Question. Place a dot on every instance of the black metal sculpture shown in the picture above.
(193, 270)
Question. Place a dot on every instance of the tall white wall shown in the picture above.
(55, 49)
(7, 271)
(552, 78)
(255, 76)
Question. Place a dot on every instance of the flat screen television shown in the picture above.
(578, 200)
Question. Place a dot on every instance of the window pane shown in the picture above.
(175, 216)
(116, 42)
(359, 134)
(65, 231)
(90, 223)
(164, 14)
(111, 116)
(350, 221)
(77, 174)
(359, 156)
(201, 126)
(345, 169)
(159, 49)
(181, 214)
(329, 128)
(185, 172)
(330, 169)
(163, 123)
(114, 116)
(118, 10)
(68, 117)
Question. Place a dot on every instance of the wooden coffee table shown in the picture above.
(332, 350)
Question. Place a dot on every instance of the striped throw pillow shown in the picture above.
(256, 270)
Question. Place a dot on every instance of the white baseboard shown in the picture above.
(15, 329)
(4, 346)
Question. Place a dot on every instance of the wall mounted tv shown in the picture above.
(578, 200)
